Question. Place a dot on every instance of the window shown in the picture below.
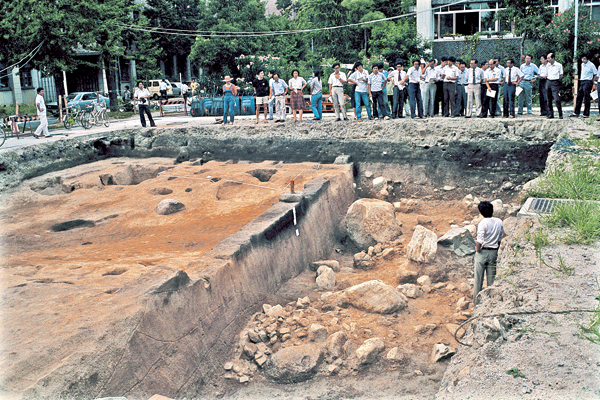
(467, 19)
(595, 16)
(25, 74)
(467, 23)
(446, 24)
(488, 24)
(3, 78)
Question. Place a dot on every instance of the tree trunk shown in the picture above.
(111, 81)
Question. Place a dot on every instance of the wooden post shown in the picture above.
(16, 108)
(292, 186)
(60, 108)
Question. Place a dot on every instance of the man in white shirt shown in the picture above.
(461, 85)
(487, 243)
(450, 75)
(473, 88)
(500, 85)
(587, 77)
(529, 71)
(555, 74)
(375, 86)
(439, 91)
(336, 82)
(142, 95)
(512, 78)
(492, 77)
(162, 87)
(360, 77)
(414, 76)
(542, 85)
(397, 78)
(431, 76)
(40, 106)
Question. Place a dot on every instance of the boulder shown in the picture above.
(326, 278)
(459, 240)
(441, 351)
(371, 221)
(335, 344)
(363, 261)
(369, 350)
(406, 276)
(333, 264)
(380, 183)
(424, 280)
(395, 354)
(317, 333)
(169, 206)
(303, 302)
(294, 364)
(410, 290)
(423, 245)
(275, 311)
(371, 296)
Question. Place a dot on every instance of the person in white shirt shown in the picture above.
(142, 95)
(529, 71)
(450, 75)
(375, 86)
(512, 78)
(542, 85)
(500, 85)
(430, 74)
(336, 82)
(587, 76)
(360, 77)
(555, 74)
(461, 86)
(492, 77)
(489, 236)
(162, 88)
(473, 88)
(397, 77)
(439, 91)
(414, 76)
(296, 85)
(40, 106)
(185, 90)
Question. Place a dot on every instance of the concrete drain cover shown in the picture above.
(534, 206)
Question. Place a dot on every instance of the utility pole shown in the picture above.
(575, 61)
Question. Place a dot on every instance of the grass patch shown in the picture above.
(578, 181)
(119, 114)
(514, 371)
(591, 331)
(581, 219)
(591, 142)
(23, 109)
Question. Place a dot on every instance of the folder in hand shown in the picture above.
(594, 94)
(518, 91)
(490, 93)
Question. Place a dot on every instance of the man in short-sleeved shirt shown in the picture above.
(586, 83)
(555, 74)
(375, 86)
(336, 82)
(40, 106)
(261, 90)
(487, 243)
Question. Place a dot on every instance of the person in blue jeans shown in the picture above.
(316, 90)
(229, 95)
(360, 78)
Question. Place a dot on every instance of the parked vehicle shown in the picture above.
(80, 100)
(176, 87)
(154, 88)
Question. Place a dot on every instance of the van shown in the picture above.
(154, 88)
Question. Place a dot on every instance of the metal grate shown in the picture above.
(544, 206)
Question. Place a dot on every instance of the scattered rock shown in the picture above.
(452, 328)
(406, 276)
(371, 296)
(380, 183)
(243, 379)
(333, 264)
(440, 352)
(371, 221)
(294, 364)
(317, 333)
(369, 350)
(250, 349)
(464, 287)
(228, 366)
(335, 344)
(253, 336)
(458, 240)
(266, 308)
(448, 188)
(423, 220)
(363, 261)
(423, 245)
(169, 206)
(508, 186)
(303, 303)
(424, 280)
(260, 361)
(410, 290)
(160, 191)
(396, 355)
(462, 304)
(326, 278)
(275, 311)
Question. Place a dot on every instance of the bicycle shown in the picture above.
(72, 116)
(3, 129)
(96, 114)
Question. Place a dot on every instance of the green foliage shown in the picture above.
(582, 219)
(579, 181)
(528, 15)
(591, 331)
(514, 371)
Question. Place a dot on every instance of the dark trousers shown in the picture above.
(398, 103)
(378, 100)
(163, 94)
(583, 96)
(482, 92)
(144, 108)
(449, 98)
(552, 90)
(543, 96)
(509, 99)
(414, 94)
(439, 97)
(489, 103)
(461, 100)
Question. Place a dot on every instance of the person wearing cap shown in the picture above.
(397, 78)
(414, 76)
(360, 77)
(439, 91)
(555, 75)
(278, 91)
(529, 71)
(586, 83)
(542, 85)
(461, 93)
(473, 89)
(430, 88)
(336, 82)
(229, 95)
(316, 92)
(512, 79)
(375, 86)
(450, 75)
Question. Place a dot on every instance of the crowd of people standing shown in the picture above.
(448, 88)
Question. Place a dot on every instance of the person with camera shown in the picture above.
(142, 95)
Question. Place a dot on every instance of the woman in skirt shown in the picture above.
(297, 84)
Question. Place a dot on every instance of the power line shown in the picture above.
(182, 32)
(36, 49)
